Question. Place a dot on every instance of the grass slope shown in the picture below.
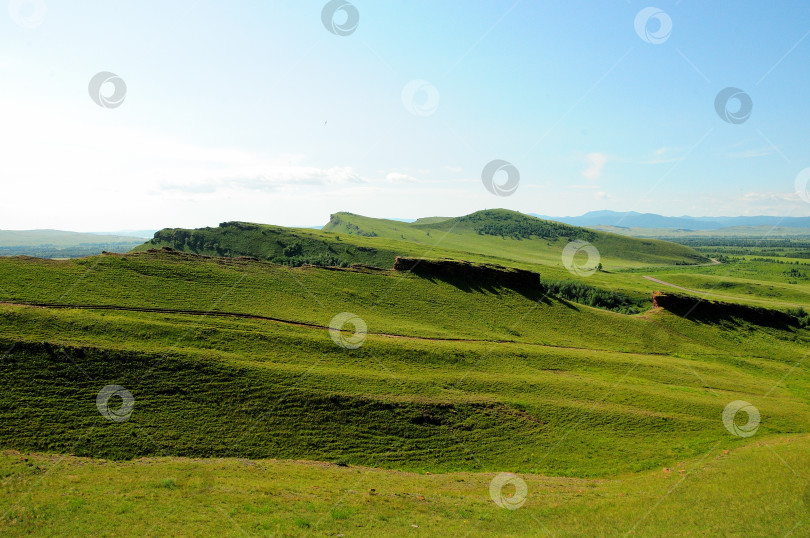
(750, 491)
(481, 379)
(511, 235)
(496, 236)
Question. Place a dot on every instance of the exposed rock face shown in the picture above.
(704, 311)
(474, 275)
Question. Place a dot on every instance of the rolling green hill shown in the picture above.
(448, 379)
(467, 369)
(278, 244)
(496, 236)
(510, 235)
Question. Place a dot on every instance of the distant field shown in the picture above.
(61, 244)
(753, 232)
(776, 282)
(57, 238)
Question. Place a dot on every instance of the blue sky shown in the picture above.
(253, 110)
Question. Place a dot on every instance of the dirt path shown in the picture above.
(728, 298)
(657, 281)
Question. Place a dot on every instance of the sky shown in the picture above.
(123, 115)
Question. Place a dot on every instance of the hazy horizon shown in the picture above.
(147, 233)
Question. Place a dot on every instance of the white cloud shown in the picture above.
(663, 155)
(751, 153)
(268, 176)
(768, 203)
(93, 169)
(396, 177)
(596, 163)
(757, 197)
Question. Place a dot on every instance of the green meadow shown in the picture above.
(248, 417)
(750, 491)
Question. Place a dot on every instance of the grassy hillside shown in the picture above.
(511, 235)
(499, 380)
(292, 246)
(467, 370)
(497, 236)
(57, 495)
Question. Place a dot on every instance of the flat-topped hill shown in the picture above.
(496, 236)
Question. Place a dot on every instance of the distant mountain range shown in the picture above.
(62, 238)
(632, 219)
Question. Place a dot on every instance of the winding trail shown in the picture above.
(671, 285)
(729, 298)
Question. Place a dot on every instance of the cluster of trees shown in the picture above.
(197, 241)
(286, 250)
(579, 292)
(759, 243)
(520, 227)
(354, 229)
(736, 246)
(241, 226)
(801, 315)
(294, 250)
(782, 262)
(351, 229)
(794, 273)
(294, 255)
